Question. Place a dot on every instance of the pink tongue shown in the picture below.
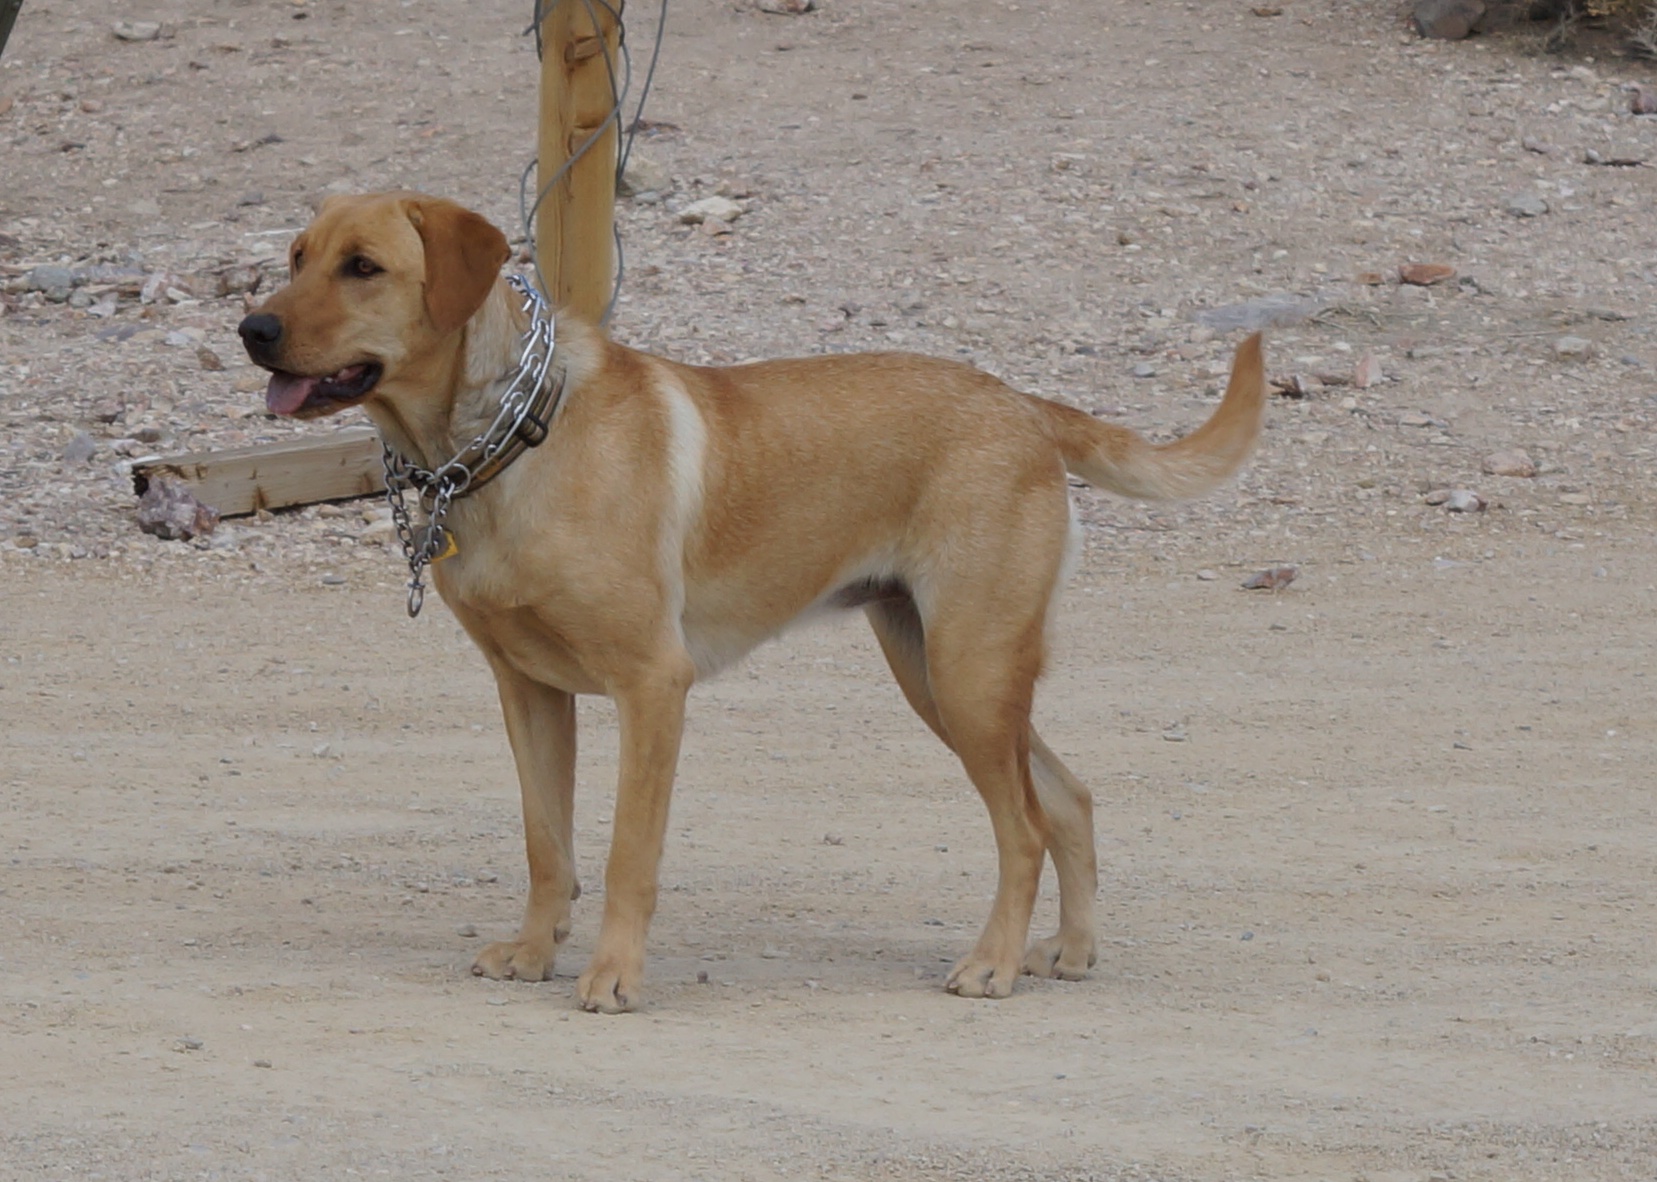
(287, 392)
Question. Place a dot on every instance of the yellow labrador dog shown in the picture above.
(675, 516)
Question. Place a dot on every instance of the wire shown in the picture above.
(619, 88)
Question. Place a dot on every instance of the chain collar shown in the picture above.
(527, 407)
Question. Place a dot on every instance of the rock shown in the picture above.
(1273, 578)
(1270, 311)
(643, 175)
(55, 282)
(1509, 463)
(1207, 576)
(1369, 278)
(169, 510)
(1144, 370)
(1298, 385)
(1463, 500)
(239, 280)
(1524, 205)
(787, 7)
(714, 209)
(208, 359)
(1642, 101)
(1367, 372)
(1425, 274)
(466, 930)
(1437, 497)
(1573, 348)
(1447, 20)
(136, 30)
(81, 449)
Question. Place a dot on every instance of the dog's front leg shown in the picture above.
(540, 724)
(651, 713)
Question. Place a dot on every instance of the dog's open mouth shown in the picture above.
(294, 394)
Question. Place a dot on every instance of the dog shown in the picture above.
(675, 516)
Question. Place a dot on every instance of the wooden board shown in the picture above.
(243, 480)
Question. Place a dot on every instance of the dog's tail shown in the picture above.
(1124, 462)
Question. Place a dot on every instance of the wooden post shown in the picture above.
(574, 227)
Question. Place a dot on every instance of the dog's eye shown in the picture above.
(361, 267)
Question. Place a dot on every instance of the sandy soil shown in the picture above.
(1376, 850)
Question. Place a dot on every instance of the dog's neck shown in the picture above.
(478, 367)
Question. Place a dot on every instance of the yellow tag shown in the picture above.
(450, 549)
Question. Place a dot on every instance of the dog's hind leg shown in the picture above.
(1069, 808)
(1065, 801)
(540, 724)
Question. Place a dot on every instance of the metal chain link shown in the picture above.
(514, 422)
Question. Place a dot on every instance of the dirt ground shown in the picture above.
(1377, 849)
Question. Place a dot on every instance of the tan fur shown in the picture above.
(679, 515)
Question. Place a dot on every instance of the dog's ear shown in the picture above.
(464, 253)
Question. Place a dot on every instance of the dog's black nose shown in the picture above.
(260, 333)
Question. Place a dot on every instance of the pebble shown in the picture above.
(1509, 463)
(1573, 348)
(1144, 370)
(261, 1062)
(1525, 205)
(1273, 578)
(643, 175)
(137, 30)
(1463, 500)
(56, 282)
(1269, 311)
(1425, 274)
(467, 930)
(1207, 576)
(710, 209)
(1367, 372)
(81, 449)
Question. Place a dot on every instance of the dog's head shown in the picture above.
(381, 285)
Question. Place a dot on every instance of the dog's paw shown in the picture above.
(609, 987)
(975, 976)
(514, 960)
(1052, 957)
